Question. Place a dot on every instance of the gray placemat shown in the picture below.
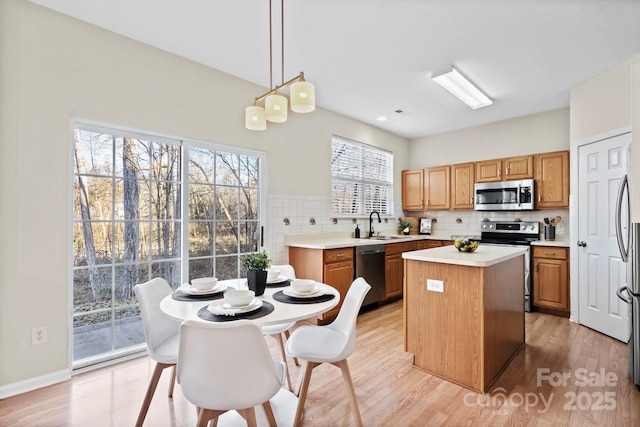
(282, 284)
(280, 296)
(182, 296)
(266, 308)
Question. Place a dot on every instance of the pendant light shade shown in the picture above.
(303, 97)
(302, 93)
(275, 107)
(254, 118)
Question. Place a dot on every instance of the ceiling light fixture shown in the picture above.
(461, 88)
(302, 93)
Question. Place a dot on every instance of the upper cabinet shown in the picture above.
(506, 169)
(413, 190)
(424, 189)
(437, 183)
(552, 180)
(462, 180)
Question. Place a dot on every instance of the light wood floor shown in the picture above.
(390, 391)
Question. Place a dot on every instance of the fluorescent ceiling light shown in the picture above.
(461, 88)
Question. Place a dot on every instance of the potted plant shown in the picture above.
(256, 265)
(404, 226)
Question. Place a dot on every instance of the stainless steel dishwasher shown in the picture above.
(370, 266)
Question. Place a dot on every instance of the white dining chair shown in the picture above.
(224, 366)
(332, 344)
(280, 331)
(161, 334)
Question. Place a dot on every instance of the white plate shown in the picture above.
(224, 309)
(279, 279)
(188, 289)
(316, 292)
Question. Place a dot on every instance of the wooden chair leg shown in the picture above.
(305, 375)
(249, 414)
(269, 411)
(295, 359)
(153, 383)
(206, 415)
(344, 367)
(173, 380)
(284, 359)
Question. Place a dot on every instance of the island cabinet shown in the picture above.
(506, 169)
(552, 180)
(393, 267)
(331, 266)
(551, 278)
(464, 313)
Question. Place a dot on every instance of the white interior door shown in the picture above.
(601, 165)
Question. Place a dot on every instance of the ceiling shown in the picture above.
(369, 58)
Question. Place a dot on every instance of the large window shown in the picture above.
(147, 206)
(362, 178)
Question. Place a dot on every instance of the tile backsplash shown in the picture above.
(299, 215)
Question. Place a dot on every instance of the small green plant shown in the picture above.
(403, 224)
(256, 261)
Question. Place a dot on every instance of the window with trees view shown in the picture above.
(147, 206)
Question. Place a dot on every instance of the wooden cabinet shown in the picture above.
(506, 169)
(430, 243)
(551, 277)
(552, 180)
(462, 180)
(331, 266)
(413, 190)
(394, 267)
(437, 185)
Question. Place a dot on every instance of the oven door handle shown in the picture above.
(518, 195)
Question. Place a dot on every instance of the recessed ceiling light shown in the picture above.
(382, 118)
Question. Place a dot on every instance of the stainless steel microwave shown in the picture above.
(505, 195)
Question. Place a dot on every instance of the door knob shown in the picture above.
(582, 243)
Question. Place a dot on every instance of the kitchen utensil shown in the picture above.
(546, 221)
(556, 220)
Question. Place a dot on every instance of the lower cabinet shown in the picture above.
(394, 267)
(331, 266)
(551, 277)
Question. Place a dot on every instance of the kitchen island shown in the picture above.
(464, 312)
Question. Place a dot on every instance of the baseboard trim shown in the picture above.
(34, 383)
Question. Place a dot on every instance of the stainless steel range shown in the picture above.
(513, 233)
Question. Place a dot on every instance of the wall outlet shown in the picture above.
(435, 285)
(39, 335)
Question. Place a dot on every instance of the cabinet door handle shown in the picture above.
(539, 197)
(498, 172)
(341, 255)
(549, 253)
(506, 171)
(537, 268)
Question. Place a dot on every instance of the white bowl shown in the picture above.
(204, 283)
(303, 286)
(238, 297)
(273, 274)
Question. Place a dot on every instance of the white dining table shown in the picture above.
(282, 313)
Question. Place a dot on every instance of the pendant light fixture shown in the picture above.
(302, 93)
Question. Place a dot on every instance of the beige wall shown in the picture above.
(54, 68)
(536, 133)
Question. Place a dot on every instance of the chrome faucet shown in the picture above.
(371, 220)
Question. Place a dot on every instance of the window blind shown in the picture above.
(362, 178)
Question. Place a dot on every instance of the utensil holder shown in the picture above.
(549, 232)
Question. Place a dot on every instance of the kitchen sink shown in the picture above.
(387, 237)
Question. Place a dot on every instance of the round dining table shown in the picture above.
(283, 312)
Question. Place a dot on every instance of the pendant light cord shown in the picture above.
(282, 40)
(270, 49)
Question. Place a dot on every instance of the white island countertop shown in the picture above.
(484, 256)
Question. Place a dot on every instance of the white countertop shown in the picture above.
(563, 243)
(484, 256)
(334, 242)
